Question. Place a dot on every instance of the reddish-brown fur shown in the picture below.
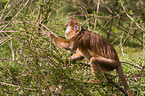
(96, 49)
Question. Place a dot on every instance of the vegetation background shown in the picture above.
(31, 64)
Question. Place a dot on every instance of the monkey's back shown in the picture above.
(95, 45)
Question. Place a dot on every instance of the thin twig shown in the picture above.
(107, 23)
(131, 17)
(48, 29)
(11, 10)
(15, 15)
(132, 64)
(114, 84)
(12, 61)
(3, 83)
(128, 32)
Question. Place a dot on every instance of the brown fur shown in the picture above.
(95, 48)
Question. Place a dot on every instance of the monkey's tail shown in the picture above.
(124, 82)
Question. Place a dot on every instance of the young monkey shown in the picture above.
(95, 48)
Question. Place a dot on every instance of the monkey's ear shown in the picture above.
(66, 24)
(77, 28)
(74, 20)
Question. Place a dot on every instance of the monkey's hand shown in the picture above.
(49, 34)
(52, 35)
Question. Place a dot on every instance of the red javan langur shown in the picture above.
(95, 48)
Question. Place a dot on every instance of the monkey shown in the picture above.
(95, 48)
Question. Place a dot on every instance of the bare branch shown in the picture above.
(132, 64)
(131, 17)
(13, 61)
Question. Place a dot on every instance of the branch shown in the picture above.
(48, 33)
(111, 19)
(3, 83)
(12, 61)
(114, 84)
(132, 64)
(16, 14)
(128, 32)
(130, 17)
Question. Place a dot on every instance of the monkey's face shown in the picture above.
(70, 32)
(72, 28)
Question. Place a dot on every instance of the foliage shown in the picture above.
(32, 64)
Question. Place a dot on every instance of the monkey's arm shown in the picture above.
(66, 44)
(76, 57)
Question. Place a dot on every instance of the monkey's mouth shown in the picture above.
(69, 35)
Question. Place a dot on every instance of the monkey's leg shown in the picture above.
(76, 57)
(109, 65)
(104, 63)
(96, 72)
(101, 65)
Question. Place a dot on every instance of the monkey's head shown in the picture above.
(73, 27)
